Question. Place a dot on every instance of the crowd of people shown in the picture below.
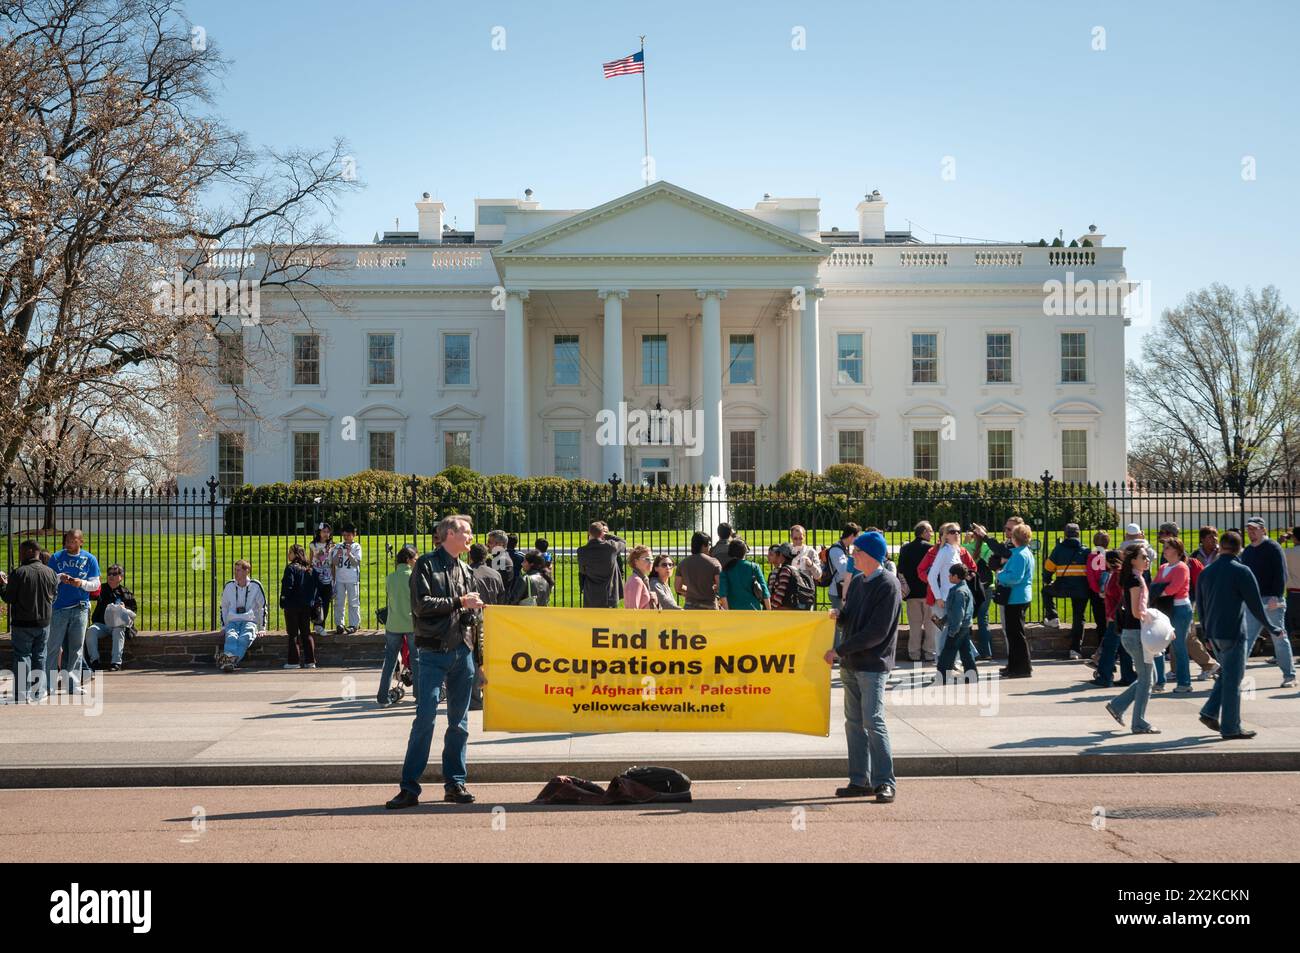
(947, 580)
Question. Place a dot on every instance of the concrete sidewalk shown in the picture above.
(322, 726)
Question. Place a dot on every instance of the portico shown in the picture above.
(663, 299)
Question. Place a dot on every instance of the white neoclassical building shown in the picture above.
(770, 342)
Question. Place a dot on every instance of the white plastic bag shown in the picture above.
(118, 616)
(1157, 633)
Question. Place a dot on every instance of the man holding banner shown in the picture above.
(446, 609)
(869, 617)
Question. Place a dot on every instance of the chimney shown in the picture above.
(430, 214)
(871, 218)
(1094, 236)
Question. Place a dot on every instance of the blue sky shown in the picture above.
(1145, 138)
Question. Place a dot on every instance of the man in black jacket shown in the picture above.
(600, 575)
(446, 611)
(870, 621)
(29, 590)
(918, 613)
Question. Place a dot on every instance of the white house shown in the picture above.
(498, 349)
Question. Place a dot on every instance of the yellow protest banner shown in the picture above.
(640, 670)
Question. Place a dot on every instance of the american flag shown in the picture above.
(627, 65)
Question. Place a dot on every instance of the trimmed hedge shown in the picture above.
(380, 502)
(820, 502)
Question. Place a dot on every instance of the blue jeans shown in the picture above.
(1139, 693)
(984, 641)
(1110, 647)
(432, 667)
(1182, 620)
(239, 636)
(870, 757)
(957, 644)
(67, 632)
(392, 652)
(1281, 644)
(93, 635)
(837, 604)
(29, 657)
(1224, 702)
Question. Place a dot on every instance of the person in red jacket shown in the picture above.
(1112, 596)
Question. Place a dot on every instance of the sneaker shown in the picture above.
(115, 667)
(456, 794)
(1158, 687)
(1052, 623)
(1091, 663)
(310, 665)
(1208, 673)
(1182, 689)
(1075, 656)
(351, 630)
(1288, 682)
(294, 665)
(1148, 730)
(338, 630)
(854, 790)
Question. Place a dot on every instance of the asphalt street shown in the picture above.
(1199, 817)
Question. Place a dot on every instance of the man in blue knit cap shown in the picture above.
(869, 620)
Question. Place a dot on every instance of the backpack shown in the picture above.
(828, 568)
(804, 590)
(643, 785)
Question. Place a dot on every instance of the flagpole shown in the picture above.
(645, 122)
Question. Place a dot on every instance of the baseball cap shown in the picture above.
(1132, 529)
(1256, 521)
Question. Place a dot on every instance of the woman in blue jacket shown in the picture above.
(1017, 577)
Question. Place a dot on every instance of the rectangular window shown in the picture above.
(306, 360)
(743, 467)
(568, 459)
(925, 358)
(1074, 456)
(997, 358)
(455, 446)
(230, 358)
(1074, 357)
(655, 471)
(382, 349)
(848, 356)
(230, 461)
(383, 450)
(567, 359)
(1000, 464)
(654, 359)
(925, 454)
(851, 447)
(456, 360)
(741, 359)
(306, 455)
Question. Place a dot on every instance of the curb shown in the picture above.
(716, 769)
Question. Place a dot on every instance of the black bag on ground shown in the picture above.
(649, 785)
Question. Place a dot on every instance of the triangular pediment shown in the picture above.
(661, 220)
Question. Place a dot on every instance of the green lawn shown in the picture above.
(170, 577)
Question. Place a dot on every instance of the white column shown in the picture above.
(694, 464)
(612, 374)
(810, 409)
(515, 385)
(711, 382)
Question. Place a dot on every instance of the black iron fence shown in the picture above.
(178, 549)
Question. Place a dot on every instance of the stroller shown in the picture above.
(402, 677)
